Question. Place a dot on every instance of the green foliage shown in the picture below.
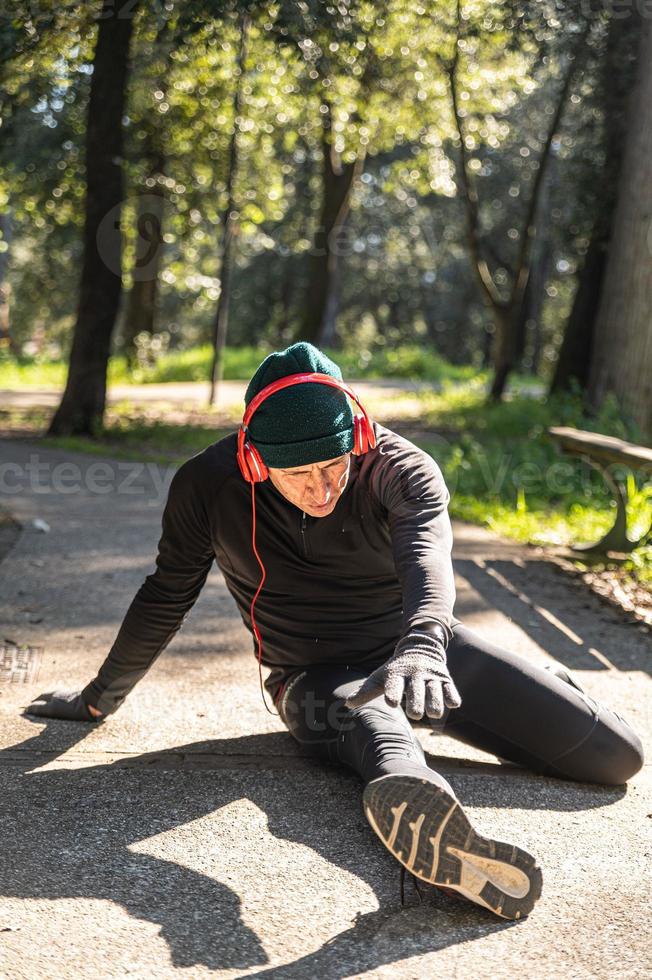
(506, 473)
(501, 454)
(405, 263)
(640, 564)
(545, 526)
(31, 371)
(409, 362)
(410, 308)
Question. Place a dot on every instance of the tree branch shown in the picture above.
(470, 194)
(528, 234)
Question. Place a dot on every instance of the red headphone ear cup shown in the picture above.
(364, 437)
(369, 434)
(257, 468)
(360, 441)
(356, 435)
(251, 464)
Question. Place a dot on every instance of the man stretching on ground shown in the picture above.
(355, 617)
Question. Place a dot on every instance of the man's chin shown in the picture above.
(321, 512)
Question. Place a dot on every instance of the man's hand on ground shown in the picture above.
(418, 670)
(63, 704)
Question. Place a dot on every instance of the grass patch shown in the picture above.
(150, 440)
(505, 473)
(25, 372)
(406, 362)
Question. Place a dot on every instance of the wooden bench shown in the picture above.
(601, 452)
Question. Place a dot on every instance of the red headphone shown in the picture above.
(249, 459)
(255, 471)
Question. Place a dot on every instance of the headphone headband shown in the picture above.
(295, 379)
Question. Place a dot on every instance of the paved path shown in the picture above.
(230, 393)
(188, 836)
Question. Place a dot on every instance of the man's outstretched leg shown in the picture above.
(526, 714)
(412, 808)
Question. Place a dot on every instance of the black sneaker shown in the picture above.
(426, 829)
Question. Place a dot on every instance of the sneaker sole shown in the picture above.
(426, 829)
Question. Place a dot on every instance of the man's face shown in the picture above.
(315, 488)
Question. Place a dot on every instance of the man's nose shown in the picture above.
(320, 489)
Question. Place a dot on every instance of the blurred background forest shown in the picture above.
(457, 194)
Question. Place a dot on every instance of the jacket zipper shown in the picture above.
(303, 534)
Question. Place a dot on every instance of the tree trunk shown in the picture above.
(487, 343)
(140, 315)
(504, 307)
(575, 352)
(622, 356)
(528, 324)
(425, 305)
(504, 349)
(615, 83)
(319, 323)
(229, 222)
(529, 330)
(328, 334)
(287, 290)
(82, 407)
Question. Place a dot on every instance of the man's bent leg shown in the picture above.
(374, 740)
(410, 807)
(523, 713)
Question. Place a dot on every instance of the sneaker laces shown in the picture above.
(415, 882)
(418, 887)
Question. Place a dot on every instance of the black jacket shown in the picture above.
(339, 589)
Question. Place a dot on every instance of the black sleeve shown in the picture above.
(185, 556)
(410, 486)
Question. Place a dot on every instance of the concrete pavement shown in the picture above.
(188, 835)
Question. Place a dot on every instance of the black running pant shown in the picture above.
(512, 708)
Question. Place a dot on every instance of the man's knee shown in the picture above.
(624, 759)
(611, 755)
(384, 731)
(379, 718)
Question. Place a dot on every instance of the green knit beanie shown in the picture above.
(305, 423)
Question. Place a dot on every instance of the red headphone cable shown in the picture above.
(253, 601)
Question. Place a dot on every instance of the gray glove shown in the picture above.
(61, 704)
(418, 669)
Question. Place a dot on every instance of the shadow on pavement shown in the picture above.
(67, 834)
(538, 603)
(385, 936)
